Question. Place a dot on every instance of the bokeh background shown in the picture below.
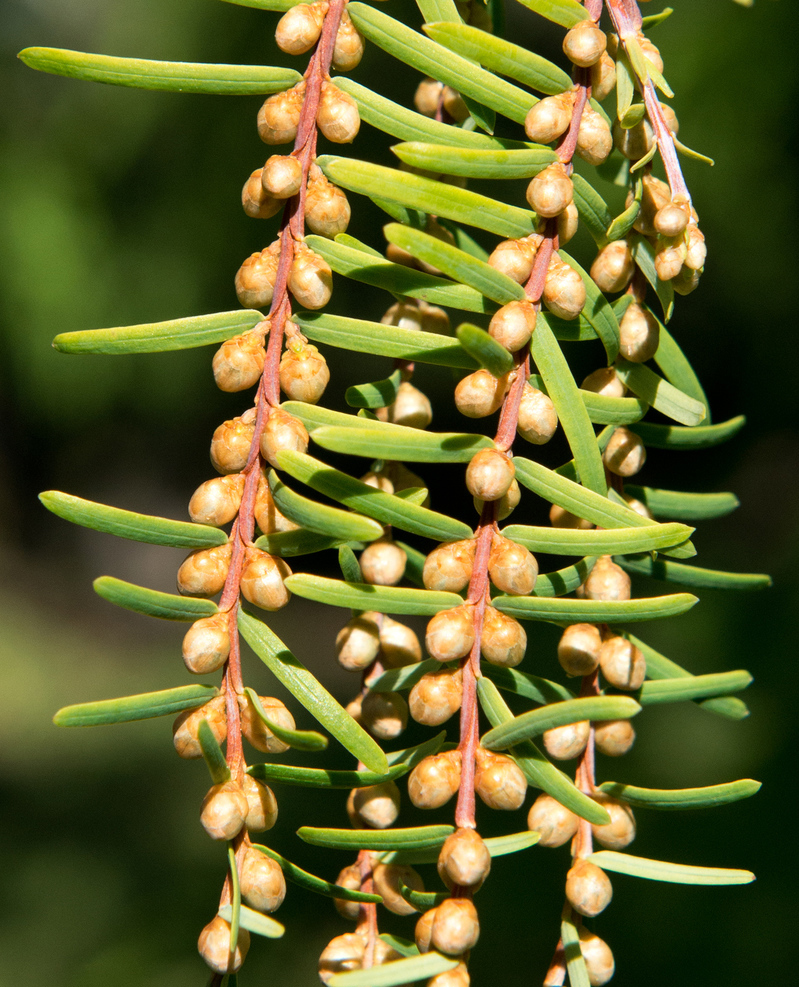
(119, 207)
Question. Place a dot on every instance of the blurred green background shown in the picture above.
(120, 207)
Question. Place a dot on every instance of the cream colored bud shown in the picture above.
(384, 714)
(404, 315)
(695, 251)
(231, 442)
(489, 474)
(620, 831)
(262, 580)
(387, 878)
(399, 644)
(607, 581)
(327, 209)
(303, 372)
(282, 432)
(206, 646)
(310, 279)
(564, 743)
(603, 77)
(263, 886)
(455, 926)
(622, 664)
(588, 888)
(187, 724)
(257, 732)
(513, 325)
(203, 573)
(358, 642)
(613, 267)
(635, 142)
(224, 810)
(348, 47)
(435, 779)
(267, 516)
(537, 421)
(217, 501)
(585, 43)
(454, 105)
(353, 708)
(503, 640)
(281, 176)
(383, 563)
(379, 481)
(424, 927)
(564, 291)
(512, 568)
(239, 362)
(498, 780)
(594, 139)
(598, 958)
(214, 946)
(578, 649)
(551, 191)
(255, 201)
(377, 805)
(480, 394)
(651, 52)
(459, 977)
(656, 195)
(410, 407)
(638, 506)
(464, 860)
(436, 696)
(568, 223)
(350, 878)
(428, 97)
(614, 737)
(450, 634)
(670, 255)
(559, 517)
(549, 117)
(449, 566)
(605, 381)
(686, 281)
(337, 116)
(639, 334)
(672, 219)
(299, 28)
(255, 279)
(434, 319)
(670, 118)
(262, 805)
(505, 505)
(556, 824)
(514, 258)
(342, 954)
(279, 117)
(625, 454)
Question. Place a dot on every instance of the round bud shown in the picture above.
(651, 52)
(348, 47)
(434, 319)
(455, 926)
(450, 634)
(568, 223)
(603, 77)
(670, 255)
(464, 860)
(454, 105)
(231, 442)
(588, 888)
(559, 517)
(282, 431)
(503, 641)
(498, 780)
(353, 708)
(514, 258)
(639, 507)
(404, 315)
(187, 724)
(551, 191)
(399, 644)
(410, 407)
(459, 977)
(656, 195)
(263, 580)
(538, 420)
(310, 279)
(387, 879)
(622, 664)
(625, 454)
(614, 737)
(206, 645)
(424, 928)
(564, 291)
(635, 142)
(303, 372)
(428, 96)
(224, 810)
(594, 139)
(281, 176)
(480, 394)
(217, 501)
(605, 381)
(267, 516)
(376, 805)
(257, 732)
(613, 266)
(620, 831)
(262, 805)
(383, 563)
(513, 325)
(578, 649)
(686, 281)
(673, 218)
(607, 581)
(556, 824)
(279, 117)
(384, 714)
(255, 201)
(379, 481)
(263, 886)
(435, 779)
(585, 43)
(337, 116)
(255, 279)
(214, 946)
(549, 117)
(358, 642)
(350, 878)
(505, 505)
(696, 251)
(670, 118)
(639, 334)
(436, 696)
(342, 954)
(203, 573)
(327, 209)
(512, 568)
(299, 28)
(489, 474)
(598, 958)
(564, 743)
(449, 566)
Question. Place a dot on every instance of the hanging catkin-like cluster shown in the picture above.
(481, 588)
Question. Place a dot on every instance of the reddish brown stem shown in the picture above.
(367, 914)
(556, 974)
